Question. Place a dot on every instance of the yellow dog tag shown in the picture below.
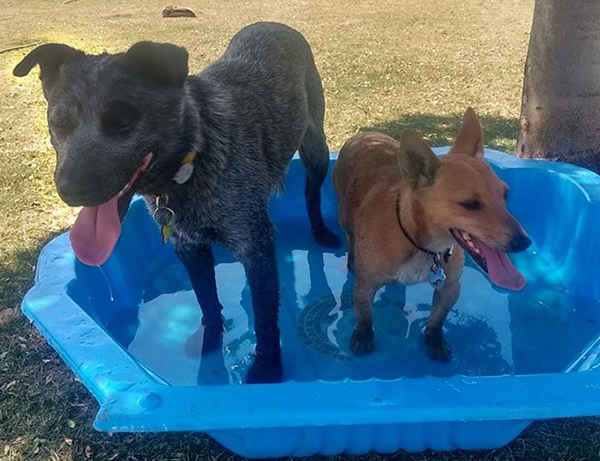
(166, 232)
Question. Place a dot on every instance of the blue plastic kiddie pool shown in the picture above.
(130, 331)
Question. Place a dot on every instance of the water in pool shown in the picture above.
(539, 329)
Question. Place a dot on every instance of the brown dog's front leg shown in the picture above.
(362, 338)
(443, 301)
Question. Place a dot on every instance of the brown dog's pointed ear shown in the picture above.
(50, 58)
(417, 161)
(469, 140)
(158, 62)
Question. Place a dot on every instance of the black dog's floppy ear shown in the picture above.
(158, 62)
(417, 161)
(50, 58)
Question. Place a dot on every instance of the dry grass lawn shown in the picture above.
(385, 64)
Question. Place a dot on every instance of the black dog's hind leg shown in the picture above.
(261, 271)
(315, 156)
(200, 264)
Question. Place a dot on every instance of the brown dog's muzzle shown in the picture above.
(519, 243)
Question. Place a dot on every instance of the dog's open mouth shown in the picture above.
(97, 228)
(496, 264)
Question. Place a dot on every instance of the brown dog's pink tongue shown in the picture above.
(96, 231)
(501, 270)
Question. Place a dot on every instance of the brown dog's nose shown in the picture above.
(519, 243)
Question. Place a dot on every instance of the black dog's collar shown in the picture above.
(186, 169)
(163, 214)
(435, 255)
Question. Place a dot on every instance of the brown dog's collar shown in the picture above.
(435, 255)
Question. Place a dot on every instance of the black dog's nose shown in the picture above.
(519, 243)
(73, 193)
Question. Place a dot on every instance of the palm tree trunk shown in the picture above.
(560, 110)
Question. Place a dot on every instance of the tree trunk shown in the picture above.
(560, 110)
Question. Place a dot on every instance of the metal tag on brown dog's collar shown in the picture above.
(436, 276)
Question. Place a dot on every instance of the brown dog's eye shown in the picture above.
(506, 195)
(471, 205)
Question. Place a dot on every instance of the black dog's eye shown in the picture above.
(471, 205)
(120, 118)
(63, 126)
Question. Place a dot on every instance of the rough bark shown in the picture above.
(560, 111)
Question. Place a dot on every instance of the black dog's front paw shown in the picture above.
(438, 348)
(265, 369)
(362, 342)
(206, 339)
(327, 238)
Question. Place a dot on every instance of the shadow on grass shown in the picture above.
(17, 272)
(440, 130)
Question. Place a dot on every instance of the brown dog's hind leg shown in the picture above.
(443, 301)
(361, 342)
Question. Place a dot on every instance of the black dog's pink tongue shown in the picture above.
(97, 228)
(501, 270)
(96, 231)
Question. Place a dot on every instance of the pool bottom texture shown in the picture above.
(142, 304)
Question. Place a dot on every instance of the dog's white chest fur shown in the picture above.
(415, 270)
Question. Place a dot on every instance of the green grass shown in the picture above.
(386, 65)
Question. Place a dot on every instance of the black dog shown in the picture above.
(206, 151)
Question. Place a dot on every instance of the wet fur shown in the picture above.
(245, 115)
(372, 170)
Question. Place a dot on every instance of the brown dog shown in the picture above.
(404, 210)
